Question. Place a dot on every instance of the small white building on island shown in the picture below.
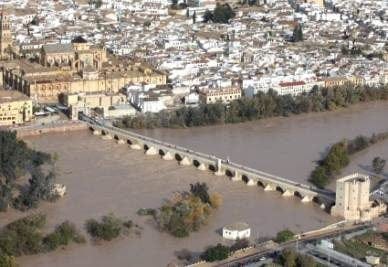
(239, 230)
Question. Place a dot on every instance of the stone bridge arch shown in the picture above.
(280, 189)
(229, 173)
(212, 167)
(178, 157)
(196, 163)
(260, 183)
(245, 178)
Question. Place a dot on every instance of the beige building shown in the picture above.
(225, 96)
(5, 36)
(111, 105)
(15, 108)
(352, 199)
(77, 67)
(317, 2)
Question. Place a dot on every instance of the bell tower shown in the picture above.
(5, 36)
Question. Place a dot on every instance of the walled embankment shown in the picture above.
(66, 126)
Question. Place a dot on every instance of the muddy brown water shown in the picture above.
(287, 147)
(102, 177)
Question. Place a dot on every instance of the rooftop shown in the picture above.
(11, 95)
(238, 226)
(58, 48)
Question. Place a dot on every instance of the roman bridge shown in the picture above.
(205, 162)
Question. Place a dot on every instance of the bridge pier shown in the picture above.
(236, 177)
(96, 132)
(185, 161)
(219, 171)
(251, 182)
(120, 141)
(202, 167)
(107, 136)
(168, 156)
(269, 187)
(135, 146)
(151, 151)
(287, 193)
(306, 199)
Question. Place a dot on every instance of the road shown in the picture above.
(291, 244)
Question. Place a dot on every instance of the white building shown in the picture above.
(239, 230)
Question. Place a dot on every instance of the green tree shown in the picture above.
(200, 190)
(337, 158)
(216, 253)
(319, 177)
(64, 234)
(8, 261)
(284, 236)
(223, 13)
(109, 228)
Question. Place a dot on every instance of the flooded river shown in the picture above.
(102, 177)
(287, 147)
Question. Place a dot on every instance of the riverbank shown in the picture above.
(56, 127)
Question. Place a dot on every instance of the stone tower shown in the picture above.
(5, 35)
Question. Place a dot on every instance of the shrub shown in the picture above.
(284, 236)
(200, 190)
(8, 261)
(216, 253)
(62, 236)
(109, 228)
(23, 236)
(186, 212)
(319, 177)
(216, 200)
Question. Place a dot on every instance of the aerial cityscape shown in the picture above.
(193, 133)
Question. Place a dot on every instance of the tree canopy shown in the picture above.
(221, 14)
(262, 105)
(17, 159)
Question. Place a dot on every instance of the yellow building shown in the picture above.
(220, 95)
(352, 199)
(77, 67)
(335, 81)
(317, 2)
(15, 108)
(47, 83)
